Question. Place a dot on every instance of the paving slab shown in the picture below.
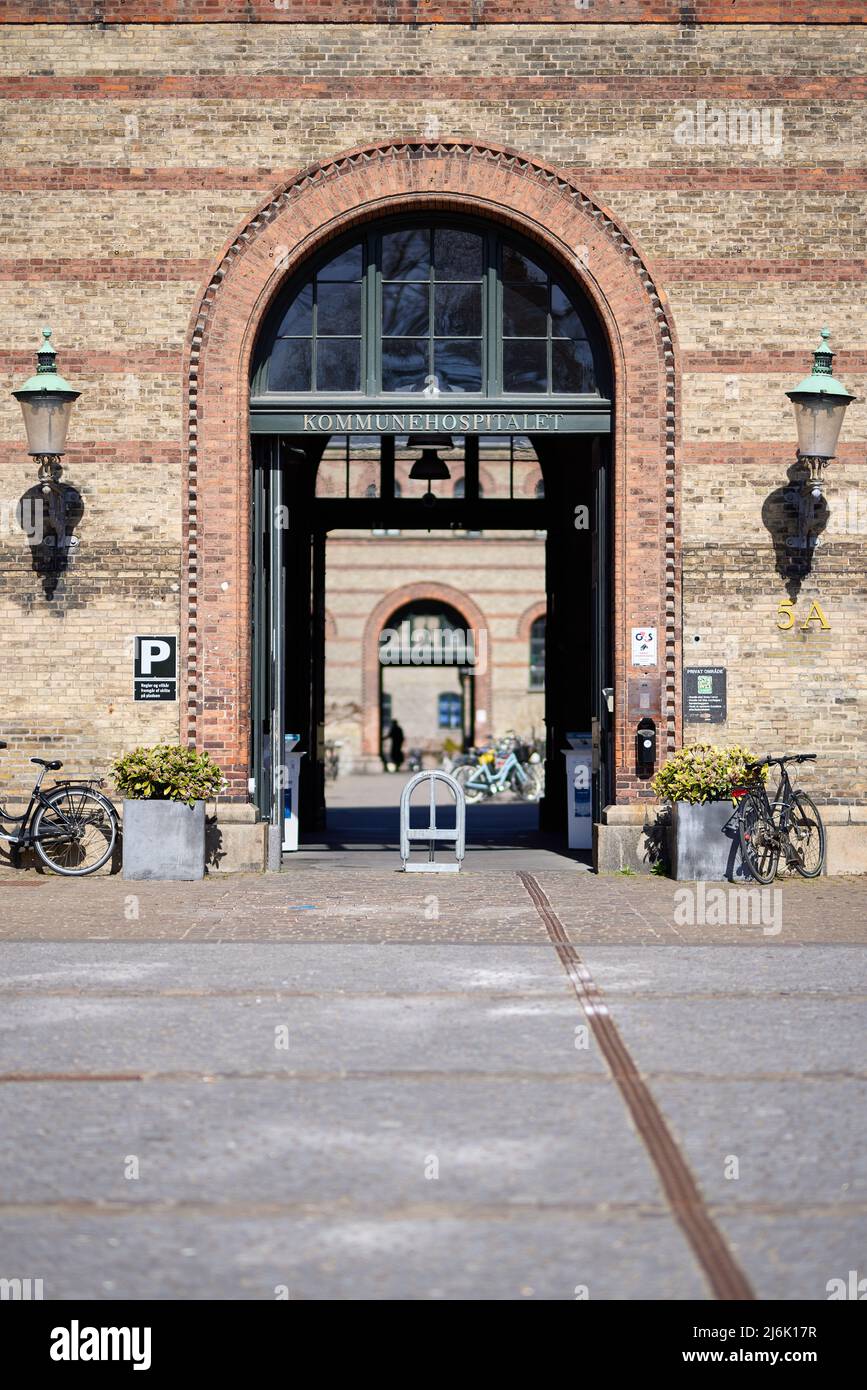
(704, 971)
(370, 1140)
(321, 967)
(797, 1145)
(499, 1255)
(724, 1037)
(796, 1255)
(385, 1034)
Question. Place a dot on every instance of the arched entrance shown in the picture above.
(399, 367)
(584, 242)
(465, 649)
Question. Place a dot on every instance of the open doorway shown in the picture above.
(430, 406)
(464, 608)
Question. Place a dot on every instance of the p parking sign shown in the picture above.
(155, 668)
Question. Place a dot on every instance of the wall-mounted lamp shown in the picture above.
(46, 401)
(820, 402)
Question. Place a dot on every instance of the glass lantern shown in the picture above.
(46, 401)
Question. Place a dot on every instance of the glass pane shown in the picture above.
(346, 266)
(338, 309)
(495, 467)
(572, 365)
(363, 466)
(458, 364)
(289, 369)
(457, 254)
(565, 322)
(525, 311)
(404, 364)
(524, 364)
(331, 473)
(405, 310)
(458, 310)
(517, 266)
(298, 318)
(406, 255)
(338, 364)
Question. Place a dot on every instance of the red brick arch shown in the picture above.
(529, 616)
(435, 592)
(545, 205)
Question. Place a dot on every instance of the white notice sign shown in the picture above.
(644, 646)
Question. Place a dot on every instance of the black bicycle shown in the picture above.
(790, 825)
(72, 826)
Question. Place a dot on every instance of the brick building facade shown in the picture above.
(700, 174)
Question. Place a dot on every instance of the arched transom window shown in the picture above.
(434, 307)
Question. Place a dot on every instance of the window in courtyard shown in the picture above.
(449, 710)
(537, 655)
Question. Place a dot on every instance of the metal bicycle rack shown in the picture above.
(432, 832)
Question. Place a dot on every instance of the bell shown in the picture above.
(430, 468)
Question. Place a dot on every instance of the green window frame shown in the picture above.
(473, 311)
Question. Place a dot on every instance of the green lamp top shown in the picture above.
(47, 377)
(821, 382)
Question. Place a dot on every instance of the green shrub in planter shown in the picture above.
(165, 789)
(167, 772)
(702, 773)
(698, 782)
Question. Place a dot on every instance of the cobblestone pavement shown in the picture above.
(310, 901)
(357, 1084)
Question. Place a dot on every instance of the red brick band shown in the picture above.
(763, 454)
(135, 451)
(412, 12)
(133, 269)
(143, 360)
(185, 178)
(278, 87)
(188, 178)
(124, 269)
(795, 360)
(738, 271)
(133, 359)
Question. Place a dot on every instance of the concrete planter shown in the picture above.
(163, 840)
(704, 842)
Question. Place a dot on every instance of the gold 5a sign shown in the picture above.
(786, 616)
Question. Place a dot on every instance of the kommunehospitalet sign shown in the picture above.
(433, 421)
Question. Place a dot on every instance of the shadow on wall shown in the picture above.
(790, 511)
(48, 514)
(214, 852)
(657, 840)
